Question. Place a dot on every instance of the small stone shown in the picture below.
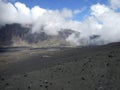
(92, 76)
(41, 85)
(7, 84)
(110, 56)
(29, 87)
(82, 70)
(84, 64)
(46, 86)
(83, 78)
(96, 89)
(91, 65)
(59, 64)
(2, 79)
(25, 75)
(62, 71)
(69, 82)
(102, 76)
(46, 82)
(107, 64)
(51, 83)
(59, 69)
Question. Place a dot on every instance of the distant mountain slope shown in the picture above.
(17, 35)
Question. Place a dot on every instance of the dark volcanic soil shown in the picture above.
(86, 68)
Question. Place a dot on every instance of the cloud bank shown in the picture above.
(115, 4)
(102, 26)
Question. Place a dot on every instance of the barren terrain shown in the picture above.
(80, 68)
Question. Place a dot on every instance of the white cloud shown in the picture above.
(37, 11)
(99, 9)
(67, 13)
(7, 12)
(22, 8)
(115, 3)
(103, 21)
(77, 11)
(17, 13)
(23, 14)
(110, 20)
(54, 20)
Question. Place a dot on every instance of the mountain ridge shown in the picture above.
(18, 35)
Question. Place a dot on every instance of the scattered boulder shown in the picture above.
(25, 75)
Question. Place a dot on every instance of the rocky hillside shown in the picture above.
(18, 35)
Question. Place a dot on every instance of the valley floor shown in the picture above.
(86, 68)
